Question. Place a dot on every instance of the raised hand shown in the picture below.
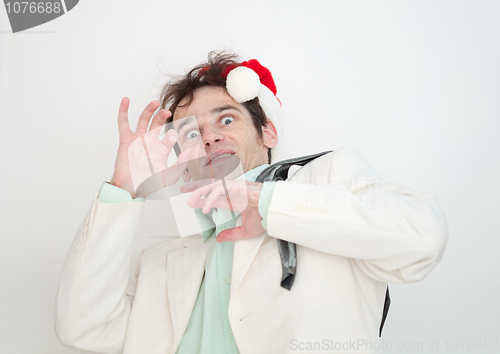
(141, 154)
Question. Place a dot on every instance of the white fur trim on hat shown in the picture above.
(272, 108)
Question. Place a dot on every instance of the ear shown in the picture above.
(269, 135)
(186, 176)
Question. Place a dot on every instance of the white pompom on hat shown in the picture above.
(243, 84)
(250, 79)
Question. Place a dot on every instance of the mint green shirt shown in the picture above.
(209, 330)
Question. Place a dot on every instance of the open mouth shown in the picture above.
(219, 157)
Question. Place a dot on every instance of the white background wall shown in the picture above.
(413, 85)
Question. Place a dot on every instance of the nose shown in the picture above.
(210, 136)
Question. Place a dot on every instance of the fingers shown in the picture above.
(202, 189)
(142, 124)
(160, 119)
(184, 156)
(199, 193)
(170, 139)
(216, 195)
(211, 199)
(236, 233)
(219, 202)
(232, 195)
(123, 116)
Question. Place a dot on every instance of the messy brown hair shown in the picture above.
(211, 73)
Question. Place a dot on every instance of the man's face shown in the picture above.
(220, 135)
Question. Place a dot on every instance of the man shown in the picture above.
(219, 291)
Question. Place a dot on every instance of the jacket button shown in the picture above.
(83, 237)
(79, 248)
(228, 280)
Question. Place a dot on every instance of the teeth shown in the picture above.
(220, 157)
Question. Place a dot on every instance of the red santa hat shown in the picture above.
(250, 79)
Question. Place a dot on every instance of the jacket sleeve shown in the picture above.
(95, 296)
(337, 204)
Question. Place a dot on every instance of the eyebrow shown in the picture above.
(225, 108)
(185, 121)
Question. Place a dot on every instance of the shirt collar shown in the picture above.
(252, 175)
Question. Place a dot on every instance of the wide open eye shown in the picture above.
(192, 134)
(227, 120)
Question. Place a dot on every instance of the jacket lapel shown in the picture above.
(244, 253)
(185, 269)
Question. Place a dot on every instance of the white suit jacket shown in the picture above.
(354, 233)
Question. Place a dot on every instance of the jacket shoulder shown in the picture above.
(344, 166)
